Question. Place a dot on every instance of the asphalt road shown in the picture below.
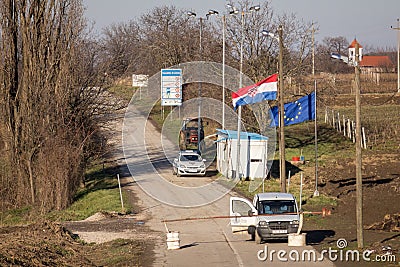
(202, 242)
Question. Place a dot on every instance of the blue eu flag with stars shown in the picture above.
(299, 111)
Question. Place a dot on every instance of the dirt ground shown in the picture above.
(100, 240)
(381, 197)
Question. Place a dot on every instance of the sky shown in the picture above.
(369, 21)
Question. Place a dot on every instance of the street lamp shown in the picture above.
(234, 10)
(192, 14)
(282, 160)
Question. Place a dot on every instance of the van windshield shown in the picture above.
(276, 207)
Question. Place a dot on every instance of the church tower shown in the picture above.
(352, 51)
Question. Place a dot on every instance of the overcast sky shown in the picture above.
(367, 20)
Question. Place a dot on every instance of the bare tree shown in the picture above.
(48, 106)
(332, 45)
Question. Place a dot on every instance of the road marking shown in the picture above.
(237, 256)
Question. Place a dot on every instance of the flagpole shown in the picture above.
(239, 122)
(316, 193)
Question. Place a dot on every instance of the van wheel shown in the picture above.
(257, 237)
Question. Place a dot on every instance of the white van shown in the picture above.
(271, 215)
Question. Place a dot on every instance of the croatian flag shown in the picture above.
(263, 90)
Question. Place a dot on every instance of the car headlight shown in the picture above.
(263, 223)
(182, 166)
(294, 222)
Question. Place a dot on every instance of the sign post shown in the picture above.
(171, 87)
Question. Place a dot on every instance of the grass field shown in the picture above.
(100, 194)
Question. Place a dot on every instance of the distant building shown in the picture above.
(376, 64)
(352, 51)
(370, 64)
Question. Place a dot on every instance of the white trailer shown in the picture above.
(253, 154)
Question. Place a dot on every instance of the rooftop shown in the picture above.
(353, 44)
(376, 61)
(230, 134)
(274, 196)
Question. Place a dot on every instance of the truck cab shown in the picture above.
(269, 216)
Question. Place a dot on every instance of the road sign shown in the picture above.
(171, 87)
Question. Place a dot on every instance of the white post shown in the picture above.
(344, 126)
(326, 115)
(301, 189)
(120, 191)
(288, 182)
(349, 129)
(364, 139)
(339, 125)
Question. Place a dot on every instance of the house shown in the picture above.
(253, 154)
(376, 64)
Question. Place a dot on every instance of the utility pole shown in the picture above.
(282, 160)
(398, 54)
(359, 194)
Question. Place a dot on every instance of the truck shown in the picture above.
(270, 216)
(189, 132)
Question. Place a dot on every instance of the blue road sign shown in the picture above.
(171, 87)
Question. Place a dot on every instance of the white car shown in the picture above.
(270, 216)
(189, 162)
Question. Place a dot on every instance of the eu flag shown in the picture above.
(299, 111)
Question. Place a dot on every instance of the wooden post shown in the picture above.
(281, 113)
(344, 126)
(359, 194)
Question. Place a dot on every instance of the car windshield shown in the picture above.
(276, 206)
(190, 158)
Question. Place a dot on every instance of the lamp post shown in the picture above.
(192, 14)
(239, 124)
(282, 160)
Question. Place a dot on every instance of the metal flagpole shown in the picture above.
(239, 123)
(316, 193)
(223, 70)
